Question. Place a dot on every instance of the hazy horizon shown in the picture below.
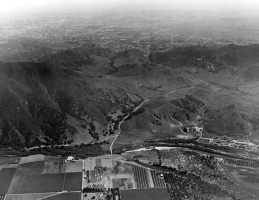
(18, 6)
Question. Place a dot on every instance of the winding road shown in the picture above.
(119, 126)
(135, 109)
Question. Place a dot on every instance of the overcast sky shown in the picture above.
(24, 5)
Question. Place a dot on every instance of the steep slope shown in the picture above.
(80, 95)
(68, 96)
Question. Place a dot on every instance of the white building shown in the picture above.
(70, 158)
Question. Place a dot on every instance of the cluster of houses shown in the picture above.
(230, 143)
(195, 130)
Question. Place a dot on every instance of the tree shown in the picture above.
(9, 137)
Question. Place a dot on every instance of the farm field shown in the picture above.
(6, 176)
(121, 167)
(145, 194)
(89, 164)
(107, 163)
(31, 168)
(62, 167)
(52, 167)
(56, 179)
(158, 181)
(117, 183)
(98, 162)
(140, 175)
(23, 184)
(32, 158)
(247, 177)
(75, 166)
(4, 161)
(65, 196)
(73, 181)
(53, 159)
(122, 174)
(28, 196)
(33, 178)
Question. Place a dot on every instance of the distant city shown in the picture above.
(143, 30)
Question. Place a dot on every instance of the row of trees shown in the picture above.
(78, 151)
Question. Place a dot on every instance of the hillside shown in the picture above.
(80, 95)
(24, 50)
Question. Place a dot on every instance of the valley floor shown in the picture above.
(133, 175)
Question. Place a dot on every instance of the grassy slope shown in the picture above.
(88, 83)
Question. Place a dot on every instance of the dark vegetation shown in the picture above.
(216, 183)
(92, 130)
(189, 103)
(78, 151)
(144, 194)
(136, 113)
(9, 138)
(195, 145)
(53, 122)
(25, 107)
(68, 104)
(111, 193)
(180, 187)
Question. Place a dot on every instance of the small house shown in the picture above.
(70, 158)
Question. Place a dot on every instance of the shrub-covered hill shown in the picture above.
(80, 95)
(74, 95)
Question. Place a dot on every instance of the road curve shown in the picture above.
(119, 125)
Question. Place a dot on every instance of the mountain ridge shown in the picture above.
(87, 90)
